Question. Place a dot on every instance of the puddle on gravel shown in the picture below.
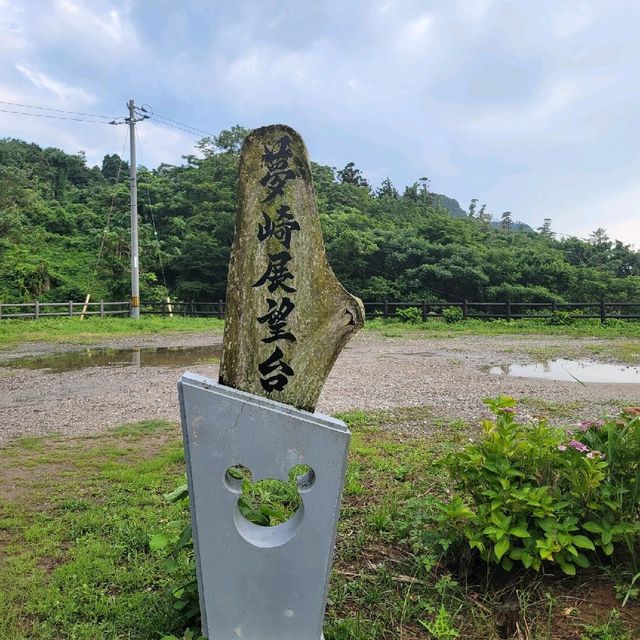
(571, 371)
(143, 357)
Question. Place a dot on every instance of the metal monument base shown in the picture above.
(260, 583)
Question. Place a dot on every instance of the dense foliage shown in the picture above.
(64, 233)
(531, 494)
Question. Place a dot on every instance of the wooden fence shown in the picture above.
(602, 310)
(36, 310)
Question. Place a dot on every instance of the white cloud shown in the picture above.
(107, 25)
(560, 96)
(413, 37)
(66, 94)
(473, 10)
(531, 117)
(161, 144)
(617, 210)
(572, 20)
(626, 230)
(268, 74)
(12, 37)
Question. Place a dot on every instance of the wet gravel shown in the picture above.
(447, 374)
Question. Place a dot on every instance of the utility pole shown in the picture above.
(135, 268)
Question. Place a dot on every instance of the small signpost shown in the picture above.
(287, 319)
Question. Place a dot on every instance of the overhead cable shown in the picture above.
(46, 115)
(76, 113)
(179, 125)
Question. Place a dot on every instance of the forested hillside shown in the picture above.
(64, 233)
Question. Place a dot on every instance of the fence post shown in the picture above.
(554, 306)
(102, 308)
(220, 309)
(36, 310)
(164, 308)
(603, 312)
(465, 310)
(385, 308)
(424, 311)
(508, 309)
(71, 308)
(191, 311)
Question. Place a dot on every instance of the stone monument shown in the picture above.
(287, 315)
(287, 320)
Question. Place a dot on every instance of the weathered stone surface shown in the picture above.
(287, 315)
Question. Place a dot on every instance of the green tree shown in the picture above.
(352, 175)
(545, 229)
(506, 221)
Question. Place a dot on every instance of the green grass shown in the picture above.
(620, 349)
(436, 327)
(568, 409)
(78, 514)
(76, 331)
(627, 352)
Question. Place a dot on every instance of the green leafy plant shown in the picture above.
(560, 318)
(441, 628)
(612, 629)
(452, 315)
(412, 315)
(538, 495)
(189, 634)
(628, 590)
(619, 441)
(179, 562)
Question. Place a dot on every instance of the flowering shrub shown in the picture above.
(536, 494)
(619, 441)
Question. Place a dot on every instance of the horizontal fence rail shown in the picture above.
(602, 310)
(36, 310)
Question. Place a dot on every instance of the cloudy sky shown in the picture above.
(530, 106)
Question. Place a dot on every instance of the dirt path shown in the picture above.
(449, 375)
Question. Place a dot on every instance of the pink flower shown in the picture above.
(585, 425)
(562, 447)
(508, 410)
(578, 446)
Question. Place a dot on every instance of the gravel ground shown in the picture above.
(446, 374)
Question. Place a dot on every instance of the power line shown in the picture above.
(45, 115)
(154, 115)
(192, 133)
(146, 114)
(181, 125)
(76, 113)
